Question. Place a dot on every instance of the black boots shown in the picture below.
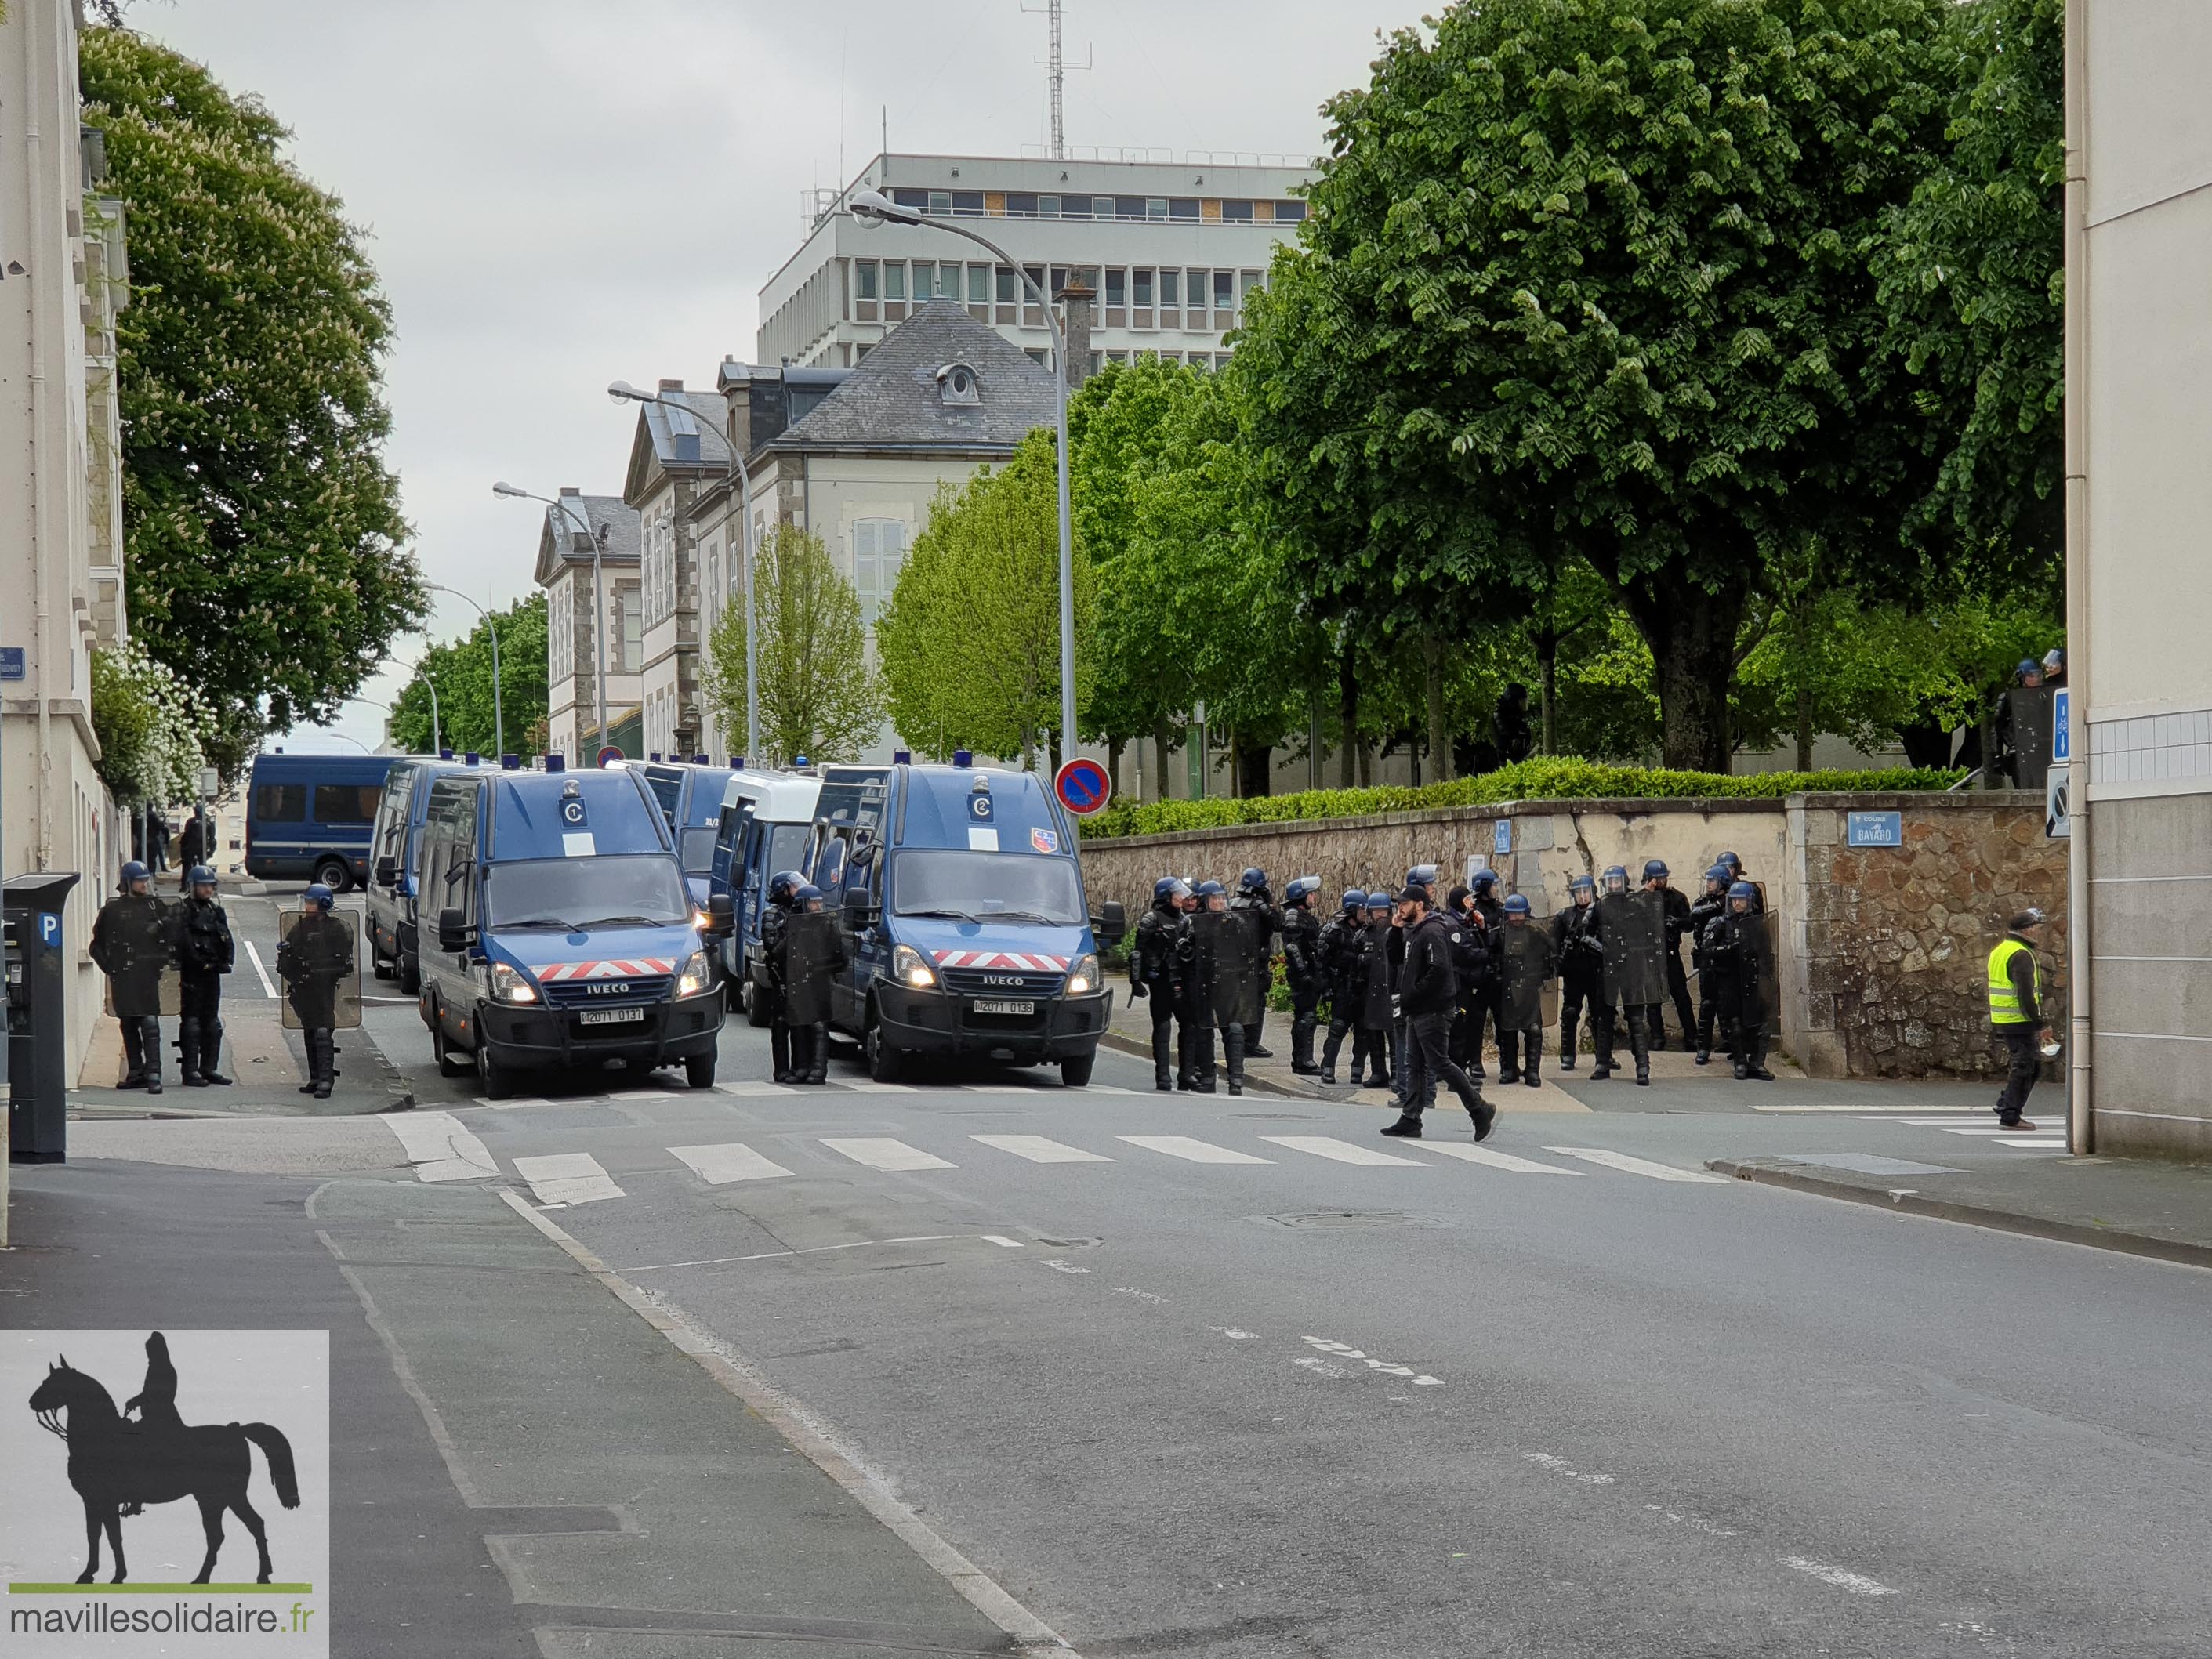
(150, 1046)
(1756, 1046)
(134, 1056)
(778, 1054)
(322, 1056)
(818, 1052)
(211, 1053)
(1232, 1045)
(1301, 1045)
(1162, 1057)
(1484, 1113)
(1509, 1057)
(188, 1054)
(1567, 1043)
(1535, 1044)
(1407, 1128)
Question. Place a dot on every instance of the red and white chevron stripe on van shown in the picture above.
(1029, 960)
(623, 967)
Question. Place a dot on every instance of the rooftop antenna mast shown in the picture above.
(1059, 77)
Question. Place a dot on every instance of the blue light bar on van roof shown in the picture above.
(510, 762)
(964, 758)
(902, 758)
(472, 757)
(699, 760)
(443, 754)
(737, 762)
(556, 763)
(799, 763)
(653, 755)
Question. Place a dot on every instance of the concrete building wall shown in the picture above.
(2139, 398)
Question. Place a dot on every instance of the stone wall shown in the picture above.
(1881, 951)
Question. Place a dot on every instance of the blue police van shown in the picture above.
(564, 935)
(395, 849)
(690, 793)
(308, 817)
(968, 934)
(767, 824)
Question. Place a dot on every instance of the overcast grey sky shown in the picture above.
(560, 193)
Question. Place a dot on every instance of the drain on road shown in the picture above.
(1347, 1220)
(1072, 1243)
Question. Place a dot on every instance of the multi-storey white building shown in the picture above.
(1170, 249)
(580, 533)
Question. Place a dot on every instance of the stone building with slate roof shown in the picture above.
(676, 453)
(572, 533)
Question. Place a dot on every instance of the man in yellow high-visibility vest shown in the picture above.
(2016, 1011)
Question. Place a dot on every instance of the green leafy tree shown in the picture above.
(820, 697)
(1602, 263)
(262, 529)
(467, 718)
(969, 643)
(148, 723)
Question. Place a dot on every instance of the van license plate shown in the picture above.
(1005, 1007)
(609, 1016)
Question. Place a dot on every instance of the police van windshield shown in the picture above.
(986, 887)
(636, 891)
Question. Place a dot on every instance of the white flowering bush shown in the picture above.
(148, 722)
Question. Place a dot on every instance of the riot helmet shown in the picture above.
(133, 873)
(1164, 889)
(1253, 880)
(1301, 890)
(199, 875)
(1178, 890)
(1654, 870)
(1582, 889)
(1744, 894)
(1421, 875)
(1379, 901)
(1717, 879)
(1211, 891)
(1516, 910)
(1353, 899)
(808, 897)
(1616, 878)
(2054, 661)
(782, 885)
(1485, 881)
(319, 897)
(1729, 860)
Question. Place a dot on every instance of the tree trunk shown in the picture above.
(1366, 764)
(1692, 635)
(1547, 687)
(1162, 789)
(1440, 742)
(1256, 770)
(1926, 743)
(1114, 746)
(1351, 763)
(1801, 625)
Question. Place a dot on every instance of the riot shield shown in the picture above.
(2029, 708)
(1633, 927)
(810, 950)
(318, 969)
(1523, 955)
(1762, 973)
(1377, 983)
(142, 949)
(1226, 977)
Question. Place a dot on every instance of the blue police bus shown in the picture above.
(309, 818)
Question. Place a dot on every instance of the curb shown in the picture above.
(1253, 1080)
(1903, 1201)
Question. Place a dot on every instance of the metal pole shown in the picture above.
(600, 632)
(498, 720)
(2081, 1093)
(431, 686)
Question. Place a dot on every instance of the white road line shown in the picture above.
(268, 985)
(438, 1148)
(881, 1152)
(1627, 1165)
(779, 1255)
(752, 1089)
(718, 1165)
(1343, 1152)
(1497, 1160)
(1196, 1152)
(1040, 1149)
(567, 1178)
(1861, 1107)
(861, 1085)
(1953, 1125)
(2019, 1144)
(1000, 1238)
(1843, 1578)
(1108, 1089)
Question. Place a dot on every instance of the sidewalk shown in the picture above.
(521, 1464)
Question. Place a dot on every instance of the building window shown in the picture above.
(1224, 290)
(1048, 207)
(1102, 207)
(633, 630)
(1184, 207)
(1117, 286)
(1021, 205)
(1290, 212)
(913, 199)
(940, 201)
(979, 285)
(878, 550)
(1194, 297)
(1156, 207)
(863, 280)
(1117, 357)
(1142, 281)
(1035, 353)
(894, 280)
(1237, 213)
(1246, 282)
(1132, 207)
(956, 384)
(1096, 359)
(1170, 290)
(1007, 292)
(968, 203)
(1032, 311)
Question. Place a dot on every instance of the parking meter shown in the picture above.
(38, 1032)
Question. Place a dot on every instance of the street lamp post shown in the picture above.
(498, 719)
(622, 392)
(429, 685)
(872, 206)
(598, 595)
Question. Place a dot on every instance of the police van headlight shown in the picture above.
(910, 971)
(1082, 978)
(698, 975)
(511, 984)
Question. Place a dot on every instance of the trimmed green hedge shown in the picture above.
(1530, 780)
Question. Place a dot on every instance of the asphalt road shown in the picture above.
(1281, 1403)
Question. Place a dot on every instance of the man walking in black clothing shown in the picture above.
(1427, 988)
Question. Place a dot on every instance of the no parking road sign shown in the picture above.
(609, 755)
(1082, 786)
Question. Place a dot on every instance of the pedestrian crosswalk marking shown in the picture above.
(1627, 1165)
(2023, 1145)
(881, 1152)
(438, 1148)
(718, 1165)
(567, 1178)
(1852, 1106)
(1343, 1152)
(1497, 1160)
(1196, 1152)
(1040, 1149)
(756, 1088)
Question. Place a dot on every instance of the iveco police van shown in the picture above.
(766, 825)
(395, 850)
(564, 935)
(967, 930)
(690, 794)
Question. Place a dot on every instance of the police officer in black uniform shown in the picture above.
(312, 958)
(205, 952)
(1339, 948)
(1632, 928)
(768, 975)
(1379, 1021)
(813, 952)
(1486, 1004)
(1708, 909)
(131, 942)
(1737, 872)
(1427, 990)
(1581, 958)
(1152, 973)
(1745, 949)
(1260, 922)
(1301, 968)
(1677, 983)
(1525, 960)
(1214, 949)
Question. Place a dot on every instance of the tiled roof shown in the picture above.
(893, 397)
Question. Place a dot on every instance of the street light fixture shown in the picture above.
(498, 719)
(599, 592)
(873, 207)
(622, 391)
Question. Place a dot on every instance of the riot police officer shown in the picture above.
(1379, 1023)
(1341, 939)
(1525, 960)
(1677, 911)
(205, 952)
(1737, 872)
(1470, 943)
(1302, 967)
(1214, 948)
(311, 959)
(1152, 975)
(1745, 946)
(813, 954)
(1632, 927)
(767, 971)
(1708, 909)
(1580, 959)
(1259, 922)
(1484, 1000)
(131, 944)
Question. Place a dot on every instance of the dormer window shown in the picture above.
(957, 383)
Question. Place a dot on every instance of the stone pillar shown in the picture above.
(1077, 308)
